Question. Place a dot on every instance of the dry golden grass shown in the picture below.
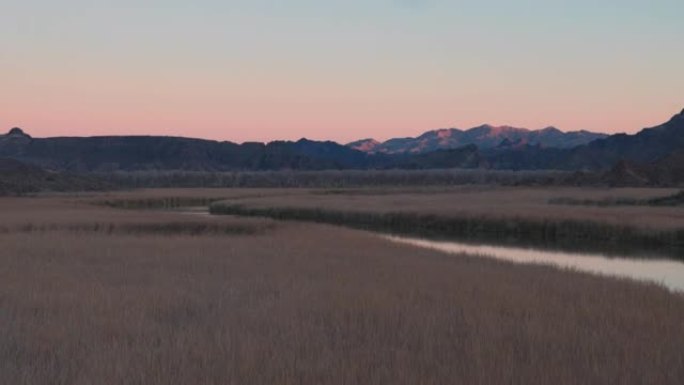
(487, 201)
(306, 304)
(475, 200)
(73, 213)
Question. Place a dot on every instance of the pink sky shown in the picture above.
(264, 70)
(343, 118)
(290, 103)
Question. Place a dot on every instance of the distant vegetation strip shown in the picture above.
(140, 229)
(562, 233)
(344, 178)
(19, 179)
(669, 200)
(156, 203)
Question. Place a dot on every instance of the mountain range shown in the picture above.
(484, 137)
(654, 153)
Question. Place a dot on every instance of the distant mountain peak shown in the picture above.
(494, 131)
(438, 133)
(443, 133)
(495, 127)
(365, 145)
(500, 130)
(16, 131)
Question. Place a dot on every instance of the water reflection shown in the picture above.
(649, 267)
(669, 273)
(201, 211)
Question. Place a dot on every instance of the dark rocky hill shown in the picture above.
(135, 153)
(128, 153)
(648, 148)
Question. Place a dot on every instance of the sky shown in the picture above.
(261, 70)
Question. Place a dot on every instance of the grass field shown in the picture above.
(96, 294)
(493, 202)
(523, 216)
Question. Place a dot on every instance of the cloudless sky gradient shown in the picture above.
(266, 69)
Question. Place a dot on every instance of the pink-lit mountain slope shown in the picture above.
(484, 137)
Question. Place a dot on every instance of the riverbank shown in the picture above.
(516, 217)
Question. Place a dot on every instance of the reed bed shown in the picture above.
(298, 306)
(160, 203)
(305, 303)
(141, 229)
(89, 215)
(483, 201)
(676, 199)
(493, 214)
(564, 234)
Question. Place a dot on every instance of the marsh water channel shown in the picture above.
(640, 267)
(667, 272)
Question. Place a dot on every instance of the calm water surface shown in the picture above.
(669, 273)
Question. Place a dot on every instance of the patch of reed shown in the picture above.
(144, 229)
(668, 200)
(552, 231)
(152, 203)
